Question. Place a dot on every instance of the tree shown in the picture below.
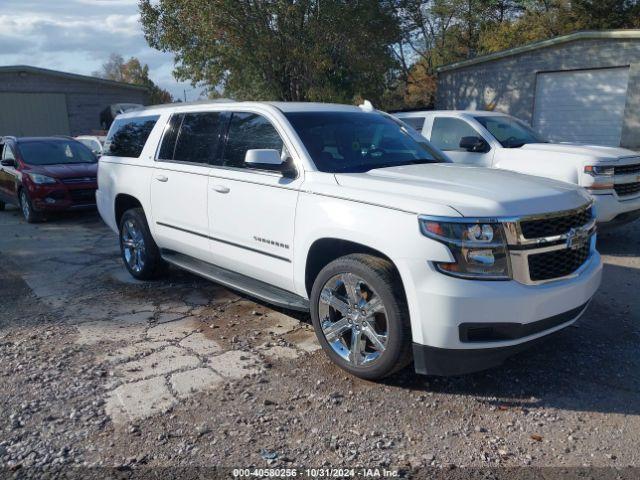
(132, 71)
(542, 19)
(304, 50)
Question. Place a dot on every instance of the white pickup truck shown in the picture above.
(489, 139)
(350, 214)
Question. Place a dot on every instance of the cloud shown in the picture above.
(70, 34)
(78, 36)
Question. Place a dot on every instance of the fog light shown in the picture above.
(49, 200)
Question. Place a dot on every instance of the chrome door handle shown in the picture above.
(162, 178)
(221, 189)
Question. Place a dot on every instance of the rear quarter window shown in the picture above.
(128, 136)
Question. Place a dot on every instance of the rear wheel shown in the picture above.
(29, 214)
(360, 316)
(139, 251)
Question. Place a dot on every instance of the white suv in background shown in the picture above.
(489, 139)
(350, 214)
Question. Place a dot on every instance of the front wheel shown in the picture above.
(139, 251)
(29, 214)
(360, 317)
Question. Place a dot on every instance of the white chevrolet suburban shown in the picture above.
(489, 139)
(350, 214)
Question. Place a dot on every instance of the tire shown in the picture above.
(386, 330)
(2, 205)
(139, 252)
(28, 212)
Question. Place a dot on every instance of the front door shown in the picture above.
(446, 134)
(252, 211)
(179, 185)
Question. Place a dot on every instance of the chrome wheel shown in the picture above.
(133, 247)
(353, 319)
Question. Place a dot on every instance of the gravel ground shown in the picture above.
(101, 370)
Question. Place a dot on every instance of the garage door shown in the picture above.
(585, 106)
(37, 114)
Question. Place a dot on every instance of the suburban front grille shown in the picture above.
(624, 189)
(548, 227)
(76, 180)
(627, 169)
(85, 196)
(558, 263)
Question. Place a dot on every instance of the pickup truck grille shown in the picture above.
(549, 227)
(627, 169)
(625, 189)
(556, 264)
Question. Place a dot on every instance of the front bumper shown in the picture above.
(58, 198)
(513, 313)
(448, 361)
(612, 210)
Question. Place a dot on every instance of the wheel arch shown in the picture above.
(325, 250)
(124, 202)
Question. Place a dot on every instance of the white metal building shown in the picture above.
(583, 87)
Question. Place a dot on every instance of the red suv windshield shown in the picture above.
(54, 152)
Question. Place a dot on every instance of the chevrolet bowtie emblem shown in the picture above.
(576, 238)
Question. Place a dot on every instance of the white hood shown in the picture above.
(595, 152)
(472, 191)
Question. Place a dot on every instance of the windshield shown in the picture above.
(510, 132)
(54, 152)
(359, 141)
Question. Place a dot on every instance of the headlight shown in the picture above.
(596, 170)
(41, 179)
(479, 249)
(602, 177)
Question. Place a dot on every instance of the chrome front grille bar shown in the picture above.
(521, 248)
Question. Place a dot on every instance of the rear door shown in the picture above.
(447, 132)
(252, 211)
(8, 175)
(179, 185)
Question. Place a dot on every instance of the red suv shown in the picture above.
(46, 174)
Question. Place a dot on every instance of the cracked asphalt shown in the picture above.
(101, 370)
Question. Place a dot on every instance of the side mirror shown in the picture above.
(8, 162)
(263, 158)
(268, 159)
(474, 144)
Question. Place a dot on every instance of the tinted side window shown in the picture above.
(168, 145)
(415, 122)
(248, 131)
(197, 140)
(7, 153)
(127, 136)
(447, 133)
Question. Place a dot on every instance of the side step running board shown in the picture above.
(237, 281)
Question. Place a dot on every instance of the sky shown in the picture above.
(78, 36)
